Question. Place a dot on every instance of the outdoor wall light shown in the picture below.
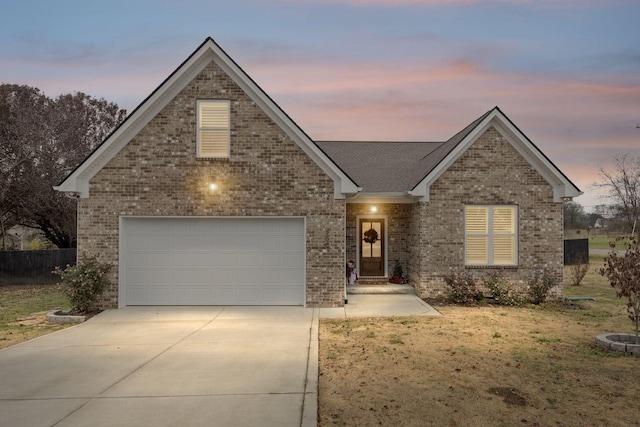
(213, 187)
(374, 209)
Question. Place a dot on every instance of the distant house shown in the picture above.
(209, 194)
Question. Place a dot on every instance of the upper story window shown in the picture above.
(213, 128)
(491, 235)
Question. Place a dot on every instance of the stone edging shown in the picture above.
(55, 316)
(625, 343)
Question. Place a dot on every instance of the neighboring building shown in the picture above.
(209, 194)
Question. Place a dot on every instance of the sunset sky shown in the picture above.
(567, 72)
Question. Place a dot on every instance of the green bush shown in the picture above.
(539, 285)
(463, 288)
(503, 291)
(84, 282)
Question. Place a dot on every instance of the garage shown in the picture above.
(212, 261)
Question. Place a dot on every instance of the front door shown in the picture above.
(372, 247)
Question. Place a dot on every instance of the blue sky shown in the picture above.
(567, 72)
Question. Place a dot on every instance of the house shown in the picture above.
(209, 194)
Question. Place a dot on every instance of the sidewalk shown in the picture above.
(380, 305)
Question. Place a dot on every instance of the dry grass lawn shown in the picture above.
(23, 311)
(482, 366)
(474, 366)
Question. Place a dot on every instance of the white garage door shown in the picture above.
(213, 261)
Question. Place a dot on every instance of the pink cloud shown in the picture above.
(579, 124)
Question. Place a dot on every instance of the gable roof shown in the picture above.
(407, 169)
(77, 183)
(562, 187)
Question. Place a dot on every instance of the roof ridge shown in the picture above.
(377, 141)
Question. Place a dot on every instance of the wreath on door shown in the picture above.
(371, 236)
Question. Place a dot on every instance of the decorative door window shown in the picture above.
(372, 247)
(371, 239)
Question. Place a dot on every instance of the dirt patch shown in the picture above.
(477, 366)
(510, 396)
(23, 310)
(35, 319)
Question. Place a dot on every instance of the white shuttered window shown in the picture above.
(491, 235)
(213, 128)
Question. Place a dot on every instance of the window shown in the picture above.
(490, 235)
(213, 128)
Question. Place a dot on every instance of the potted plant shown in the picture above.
(397, 276)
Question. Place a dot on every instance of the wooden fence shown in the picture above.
(576, 250)
(33, 267)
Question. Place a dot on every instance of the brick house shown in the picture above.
(209, 194)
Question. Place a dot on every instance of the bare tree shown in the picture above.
(574, 216)
(41, 141)
(20, 136)
(623, 183)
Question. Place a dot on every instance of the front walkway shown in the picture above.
(380, 305)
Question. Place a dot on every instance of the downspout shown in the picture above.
(344, 260)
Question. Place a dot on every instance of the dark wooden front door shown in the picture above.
(372, 247)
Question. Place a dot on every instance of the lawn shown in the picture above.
(474, 366)
(29, 303)
(598, 239)
(482, 366)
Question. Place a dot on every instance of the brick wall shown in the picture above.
(490, 172)
(267, 174)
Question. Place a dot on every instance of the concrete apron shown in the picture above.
(160, 366)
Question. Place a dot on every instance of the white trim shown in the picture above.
(122, 280)
(78, 180)
(386, 242)
(381, 198)
(562, 187)
(491, 234)
(122, 245)
(201, 105)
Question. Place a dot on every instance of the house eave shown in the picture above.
(563, 188)
(78, 180)
(382, 197)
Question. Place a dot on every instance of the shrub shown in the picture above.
(463, 288)
(84, 282)
(579, 269)
(539, 285)
(503, 291)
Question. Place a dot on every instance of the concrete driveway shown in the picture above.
(168, 366)
(179, 366)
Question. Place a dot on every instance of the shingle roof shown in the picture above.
(391, 166)
(379, 166)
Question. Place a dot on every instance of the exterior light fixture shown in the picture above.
(213, 188)
(374, 209)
